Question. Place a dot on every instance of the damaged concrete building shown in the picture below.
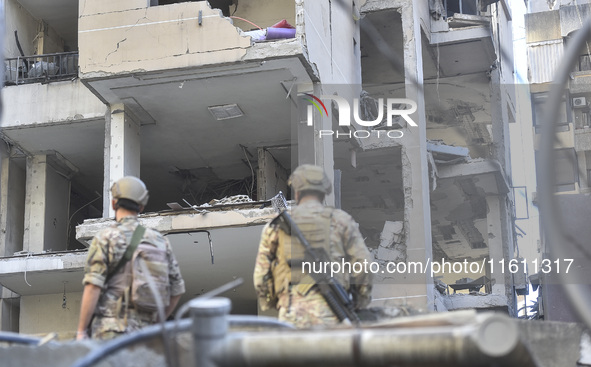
(209, 105)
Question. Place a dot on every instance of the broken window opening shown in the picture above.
(469, 7)
(539, 109)
(372, 193)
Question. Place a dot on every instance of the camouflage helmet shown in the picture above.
(130, 188)
(310, 177)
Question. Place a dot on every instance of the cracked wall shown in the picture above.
(116, 39)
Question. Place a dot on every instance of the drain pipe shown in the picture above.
(210, 327)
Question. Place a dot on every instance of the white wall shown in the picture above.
(53, 102)
(330, 30)
(44, 314)
(17, 18)
(57, 191)
(522, 142)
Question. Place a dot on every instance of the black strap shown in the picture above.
(135, 241)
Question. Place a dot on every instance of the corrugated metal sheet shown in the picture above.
(543, 59)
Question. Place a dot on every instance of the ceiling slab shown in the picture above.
(79, 142)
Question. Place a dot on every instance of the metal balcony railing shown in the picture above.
(41, 68)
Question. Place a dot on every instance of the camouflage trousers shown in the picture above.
(306, 311)
(104, 328)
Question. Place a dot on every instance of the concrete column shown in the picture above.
(315, 150)
(582, 167)
(46, 207)
(35, 203)
(12, 207)
(417, 211)
(502, 153)
(122, 151)
(272, 177)
(500, 247)
(500, 122)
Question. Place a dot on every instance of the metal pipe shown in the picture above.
(124, 341)
(210, 326)
(494, 340)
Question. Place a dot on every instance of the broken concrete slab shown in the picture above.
(392, 255)
(481, 301)
(175, 222)
(391, 234)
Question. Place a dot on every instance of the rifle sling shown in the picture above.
(135, 241)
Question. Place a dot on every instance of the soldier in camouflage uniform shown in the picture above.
(280, 283)
(109, 302)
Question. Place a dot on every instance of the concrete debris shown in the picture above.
(391, 234)
(447, 154)
(387, 254)
(391, 246)
(440, 286)
(236, 199)
(476, 300)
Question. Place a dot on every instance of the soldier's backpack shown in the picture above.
(155, 261)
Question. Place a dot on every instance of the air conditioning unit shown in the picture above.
(579, 102)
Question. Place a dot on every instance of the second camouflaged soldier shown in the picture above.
(107, 293)
(293, 293)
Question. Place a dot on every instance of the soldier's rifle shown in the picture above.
(333, 292)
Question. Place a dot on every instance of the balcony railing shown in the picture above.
(41, 68)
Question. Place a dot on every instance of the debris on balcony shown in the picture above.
(280, 30)
(236, 199)
(466, 20)
(448, 154)
(392, 245)
(41, 68)
(472, 285)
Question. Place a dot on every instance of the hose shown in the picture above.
(552, 221)
(183, 325)
(10, 337)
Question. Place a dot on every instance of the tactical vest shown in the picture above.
(316, 228)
